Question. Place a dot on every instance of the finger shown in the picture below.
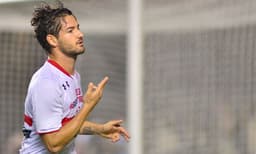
(124, 133)
(126, 137)
(103, 82)
(94, 87)
(90, 87)
(116, 123)
(115, 138)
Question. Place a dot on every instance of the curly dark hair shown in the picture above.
(47, 20)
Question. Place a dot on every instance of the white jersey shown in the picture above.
(54, 97)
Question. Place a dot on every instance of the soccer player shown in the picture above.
(55, 107)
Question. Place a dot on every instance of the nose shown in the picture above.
(80, 34)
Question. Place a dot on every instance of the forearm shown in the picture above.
(90, 128)
(55, 142)
(111, 130)
(58, 140)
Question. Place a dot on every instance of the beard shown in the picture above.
(72, 52)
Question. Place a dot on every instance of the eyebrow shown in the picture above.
(72, 27)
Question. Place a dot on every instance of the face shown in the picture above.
(70, 39)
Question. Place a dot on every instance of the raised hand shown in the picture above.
(94, 93)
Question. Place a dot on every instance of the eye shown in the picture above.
(70, 30)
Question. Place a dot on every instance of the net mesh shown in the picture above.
(202, 85)
(20, 57)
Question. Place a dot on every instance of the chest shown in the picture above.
(72, 97)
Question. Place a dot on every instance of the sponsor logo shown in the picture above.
(65, 85)
(78, 92)
(73, 104)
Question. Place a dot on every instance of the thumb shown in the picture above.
(90, 87)
(117, 123)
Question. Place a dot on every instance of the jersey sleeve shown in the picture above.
(47, 107)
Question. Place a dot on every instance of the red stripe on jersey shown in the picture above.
(58, 67)
(48, 132)
(66, 120)
(28, 120)
(63, 122)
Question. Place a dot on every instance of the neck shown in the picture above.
(68, 63)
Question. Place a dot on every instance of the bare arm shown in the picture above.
(111, 130)
(56, 141)
(90, 128)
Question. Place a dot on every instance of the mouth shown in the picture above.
(80, 42)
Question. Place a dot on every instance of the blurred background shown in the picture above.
(199, 73)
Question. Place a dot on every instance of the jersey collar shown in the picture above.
(54, 63)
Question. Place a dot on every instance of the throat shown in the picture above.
(68, 64)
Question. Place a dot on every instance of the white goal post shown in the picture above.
(135, 76)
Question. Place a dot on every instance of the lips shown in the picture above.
(80, 42)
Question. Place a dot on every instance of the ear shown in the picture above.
(52, 40)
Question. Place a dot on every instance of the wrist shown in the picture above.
(88, 106)
(101, 129)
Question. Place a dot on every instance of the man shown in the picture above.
(55, 108)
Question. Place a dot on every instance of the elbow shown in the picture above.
(52, 143)
(54, 149)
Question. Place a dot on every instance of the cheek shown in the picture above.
(66, 38)
(66, 43)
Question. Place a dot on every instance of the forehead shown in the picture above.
(68, 21)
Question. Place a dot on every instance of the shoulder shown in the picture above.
(45, 77)
(77, 75)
